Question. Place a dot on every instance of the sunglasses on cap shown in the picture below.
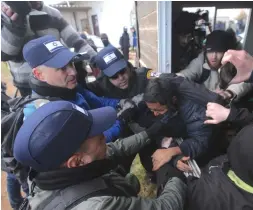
(121, 72)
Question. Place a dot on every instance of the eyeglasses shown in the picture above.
(121, 72)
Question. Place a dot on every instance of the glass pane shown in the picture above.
(235, 21)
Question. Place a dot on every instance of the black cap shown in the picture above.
(219, 41)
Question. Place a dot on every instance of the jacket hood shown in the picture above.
(240, 154)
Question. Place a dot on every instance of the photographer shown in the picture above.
(24, 21)
(184, 46)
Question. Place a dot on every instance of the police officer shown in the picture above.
(73, 168)
(119, 79)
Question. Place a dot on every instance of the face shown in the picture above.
(157, 108)
(91, 150)
(184, 39)
(214, 59)
(121, 79)
(64, 77)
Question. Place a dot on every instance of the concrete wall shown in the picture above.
(147, 20)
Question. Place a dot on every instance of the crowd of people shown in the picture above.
(75, 141)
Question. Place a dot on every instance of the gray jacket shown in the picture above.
(14, 39)
(194, 72)
(172, 197)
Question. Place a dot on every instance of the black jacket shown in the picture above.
(103, 87)
(215, 191)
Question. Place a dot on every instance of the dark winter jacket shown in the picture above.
(226, 183)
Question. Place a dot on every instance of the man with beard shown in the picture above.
(204, 69)
(73, 168)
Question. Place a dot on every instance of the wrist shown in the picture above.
(173, 151)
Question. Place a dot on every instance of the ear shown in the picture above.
(79, 159)
(38, 74)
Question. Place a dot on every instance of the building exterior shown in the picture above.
(82, 15)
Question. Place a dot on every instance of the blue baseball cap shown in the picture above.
(110, 61)
(49, 51)
(55, 131)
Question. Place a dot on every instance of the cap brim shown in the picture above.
(115, 68)
(61, 59)
(103, 119)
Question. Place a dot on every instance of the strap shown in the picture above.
(204, 76)
(71, 196)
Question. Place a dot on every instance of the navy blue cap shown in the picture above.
(110, 60)
(55, 131)
(47, 51)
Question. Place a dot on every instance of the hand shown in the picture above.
(126, 104)
(162, 156)
(137, 99)
(217, 112)
(224, 94)
(127, 114)
(243, 63)
(9, 12)
(182, 166)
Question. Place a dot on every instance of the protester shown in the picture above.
(43, 20)
(161, 97)
(184, 47)
(227, 181)
(81, 175)
(104, 39)
(204, 69)
(124, 44)
(53, 75)
(240, 117)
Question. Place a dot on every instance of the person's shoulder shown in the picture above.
(147, 73)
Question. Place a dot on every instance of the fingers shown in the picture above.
(183, 166)
(233, 56)
(211, 122)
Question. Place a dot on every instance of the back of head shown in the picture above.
(240, 155)
(158, 90)
(220, 41)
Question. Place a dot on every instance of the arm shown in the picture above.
(113, 132)
(127, 146)
(192, 91)
(172, 198)
(194, 69)
(240, 117)
(98, 102)
(197, 143)
(12, 42)
(240, 89)
(68, 34)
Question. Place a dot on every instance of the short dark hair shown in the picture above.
(159, 90)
